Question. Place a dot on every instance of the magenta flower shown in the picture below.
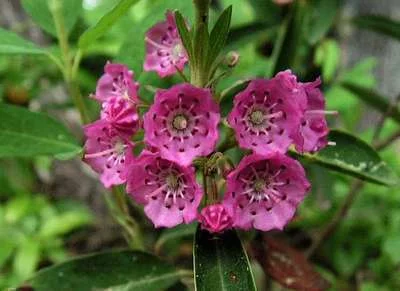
(215, 218)
(117, 81)
(121, 115)
(313, 132)
(266, 114)
(165, 53)
(182, 123)
(169, 191)
(264, 191)
(106, 151)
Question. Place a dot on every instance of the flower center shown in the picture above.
(257, 117)
(180, 122)
(119, 147)
(177, 51)
(259, 185)
(172, 182)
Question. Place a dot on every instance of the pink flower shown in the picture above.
(182, 123)
(313, 132)
(266, 114)
(106, 151)
(121, 115)
(169, 191)
(215, 218)
(117, 82)
(264, 191)
(165, 53)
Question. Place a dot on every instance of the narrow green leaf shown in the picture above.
(201, 46)
(27, 258)
(354, 157)
(12, 43)
(380, 24)
(121, 270)
(27, 134)
(219, 35)
(221, 263)
(40, 13)
(380, 103)
(184, 34)
(105, 23)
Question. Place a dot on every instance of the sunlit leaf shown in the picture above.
(40, 13)
(105, 23)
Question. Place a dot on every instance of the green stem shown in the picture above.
(134, 235)
(69, 70)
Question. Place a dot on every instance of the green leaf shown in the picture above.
(321, 16)
(7, 247)
(105, 23)
(354, 157)
(380, 103)
(380, 24)
(327, 55)
(219, 35)
(27, 134)
(12, 43)
(184, 34)
(64, 223)
(221, 263)
(40, 12)
(121, 270)
(202, 48)
(27, 258)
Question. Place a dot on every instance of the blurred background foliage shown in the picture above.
(39, 227)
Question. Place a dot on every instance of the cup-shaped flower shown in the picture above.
(264, 191)
(215, 218)
(107, 151)
(117, 81)
(313, 131)
(182, 123)
(266, 114)
(165, 53)
(169, 191)
(121, 115)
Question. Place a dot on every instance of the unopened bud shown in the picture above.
(232, 59)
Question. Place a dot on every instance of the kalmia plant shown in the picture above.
(228, 162)
(181, 133)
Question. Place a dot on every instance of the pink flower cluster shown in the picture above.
(268, 117)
